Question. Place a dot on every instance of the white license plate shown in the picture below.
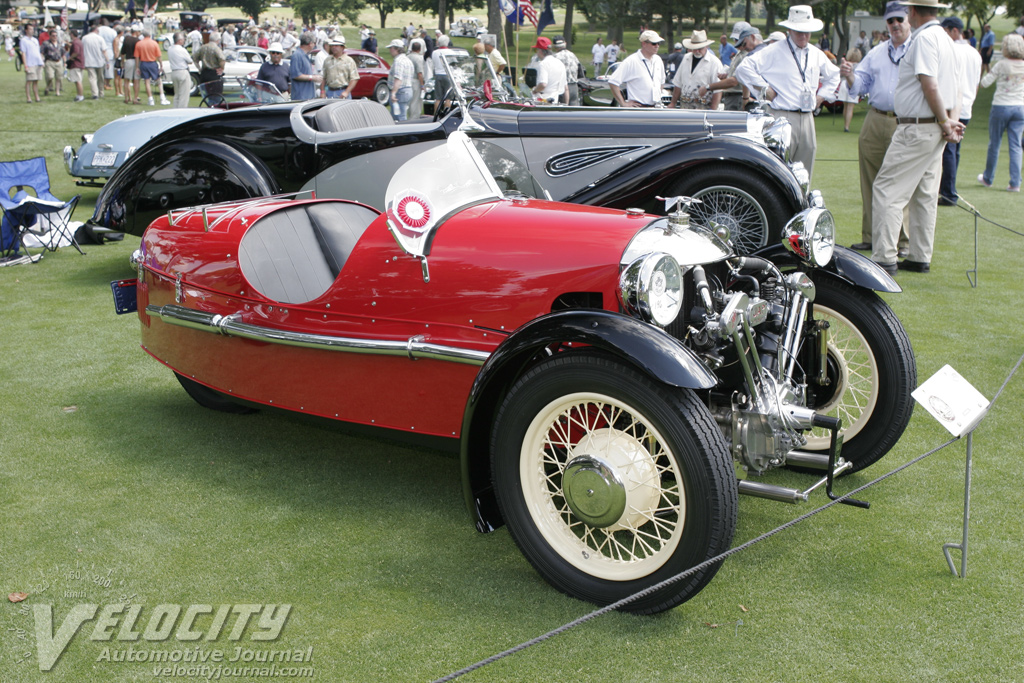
(104, 158)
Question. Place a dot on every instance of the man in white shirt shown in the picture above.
(699, 69)
(97, 55)
(611, 54)
(795, 77)
(642, 74)
(194, 40)
(552, 85)
(970, 62)
(876, 77)
(179, 61)
(597, 58)
(107, 33)
(927, 103)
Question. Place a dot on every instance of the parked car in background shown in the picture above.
(243, 61)
(597, 93)
(735, 162)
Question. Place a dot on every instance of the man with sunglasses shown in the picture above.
(876, 76)
(641, 76)
(927, 105)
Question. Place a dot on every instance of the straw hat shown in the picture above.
(697, 40)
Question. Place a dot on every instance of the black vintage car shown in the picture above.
(736, 163)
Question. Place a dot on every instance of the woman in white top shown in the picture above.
(1007, 113)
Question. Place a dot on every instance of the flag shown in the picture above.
(64, 18)
(526, 9)
(154, 6)
(48, 18)
(547, 17)
(145, 12)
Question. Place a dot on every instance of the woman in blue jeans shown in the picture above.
(1007, 110)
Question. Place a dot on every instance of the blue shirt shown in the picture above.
(726, 53)
(988, 40)
(878, 73)
(304, 89)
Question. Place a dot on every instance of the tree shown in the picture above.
(983, 11)
(253, 8)
(313, 10)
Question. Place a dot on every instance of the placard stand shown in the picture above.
(958, 407)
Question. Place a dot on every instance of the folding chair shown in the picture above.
(42, 215)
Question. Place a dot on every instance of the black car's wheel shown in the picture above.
(746, 203)
(871, 371)
(17, 60)
(381, 93)
(208, 398)
(194, 80)
(610, 482)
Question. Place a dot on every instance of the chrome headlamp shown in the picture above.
(69, 158)
(777, 134)
(803, 178)
(811, 235)
(651, 288)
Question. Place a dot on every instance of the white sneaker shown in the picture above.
(151, 102)
(165, 102)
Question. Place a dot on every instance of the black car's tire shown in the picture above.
(381, 92)
(871, 369)
(754, 210)
(194, 81)
(674, 505)
(209, 398)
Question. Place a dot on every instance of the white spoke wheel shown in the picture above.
(610, 482)
(871, 372)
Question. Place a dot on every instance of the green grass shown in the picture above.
(108, 468)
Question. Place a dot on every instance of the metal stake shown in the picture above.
(967, 517)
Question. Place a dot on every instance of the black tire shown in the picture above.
(871, 368)
(17, 61)
(209, 398)
(381, 92)
(750, 205)
(672, 440)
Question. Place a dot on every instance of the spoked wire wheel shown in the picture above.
(604, 487)
(736, 210)
(854, 370)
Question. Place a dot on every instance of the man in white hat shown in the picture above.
(927, 105)
(340, 71)
(699, 69)
(400, 80)
(795, 77)
(876, 76)
(273, 70)
(642, 74)
(572, 70)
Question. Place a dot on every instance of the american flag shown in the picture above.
(527, 10)
(64, 18)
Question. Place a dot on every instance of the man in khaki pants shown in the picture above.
(927, 105)
(876, 76)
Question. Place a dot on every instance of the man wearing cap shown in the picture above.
(795, 77)
(597, 56)
(642, 74)
(552, 84)
(300, 73)
(178, 59)
(699, 69)
(876, 77)
(735, 96)
(970, 63)
(400, 80)
(370, 43)
(572, 70)
(927, 104)
(727, 51)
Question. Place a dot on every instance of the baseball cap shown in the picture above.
(953, 22)
(651, 37)
(746, 33)
(737, 29)
(559, 41)
(542, 44)
(895, 9)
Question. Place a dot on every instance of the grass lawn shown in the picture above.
(115, 487)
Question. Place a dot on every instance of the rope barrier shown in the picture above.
(707, 563)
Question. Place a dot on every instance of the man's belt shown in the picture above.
(910, 119)
(883, 112)
(791, 111)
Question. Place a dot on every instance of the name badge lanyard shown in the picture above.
(650, 72)
(808, 101)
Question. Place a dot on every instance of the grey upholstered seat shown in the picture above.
(346, 115)
(293, 255)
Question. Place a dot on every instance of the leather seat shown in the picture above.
(346, 115)
(294, 255)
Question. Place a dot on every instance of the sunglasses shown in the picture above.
(898, 20)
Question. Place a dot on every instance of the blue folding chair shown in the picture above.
(29, 206)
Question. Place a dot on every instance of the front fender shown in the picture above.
(639, 183)
(650, 349)
(176, 174)
(846, 264)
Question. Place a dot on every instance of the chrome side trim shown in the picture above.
(231, 326)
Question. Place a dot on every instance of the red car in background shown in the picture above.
(373, 75)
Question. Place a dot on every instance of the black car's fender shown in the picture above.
(648, 348)
(178, 173)
(846, 264)
(637, 184)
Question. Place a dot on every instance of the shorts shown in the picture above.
(150, 71)
(75, 75)
(130, 72)
(33, 73)
(986, 55)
